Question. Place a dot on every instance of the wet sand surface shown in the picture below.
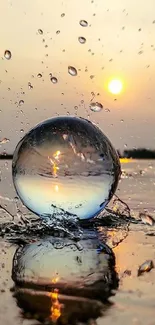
(134, 301)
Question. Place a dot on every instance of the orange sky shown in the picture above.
(119, 44)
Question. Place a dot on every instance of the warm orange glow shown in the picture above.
(54, 164)
(54, 168)
(125, 160)
(56, 188)
(57, 154)
(56, 306)
(115, 86)
(55, 280)
(115, 208)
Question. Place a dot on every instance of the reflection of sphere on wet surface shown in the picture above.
(79, 274)
(65, 164)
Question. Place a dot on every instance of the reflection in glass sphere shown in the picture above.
(62, 280)
(65, 166)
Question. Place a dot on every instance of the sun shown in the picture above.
(115, 86)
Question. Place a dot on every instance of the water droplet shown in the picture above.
(54, 80)
(83, 23)
(84, 165)
(7, 55)
(96, 107)
(21, 102)
(147, 266)
(82, 39)
(146, 218)
(21, 130)
(39, 75)
(72, 71)
(4, 140)
(63, 15)
(30, 85)
(40, 31)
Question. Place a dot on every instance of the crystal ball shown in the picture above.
(65, 165)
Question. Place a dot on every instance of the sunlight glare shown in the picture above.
(115, 86)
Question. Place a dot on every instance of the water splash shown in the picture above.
(112, 226)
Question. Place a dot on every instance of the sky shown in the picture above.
(120, 44)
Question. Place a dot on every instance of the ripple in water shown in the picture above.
(65, 166)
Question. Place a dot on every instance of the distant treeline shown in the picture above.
(5, 156)
(140, 153)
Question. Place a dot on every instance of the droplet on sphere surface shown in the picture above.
(4, 141)
(7, 55)
(72, 71)
(82, 39)
(65, 165)
(96, 107)
(83, 23)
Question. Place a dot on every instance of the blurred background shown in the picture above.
(111, 47)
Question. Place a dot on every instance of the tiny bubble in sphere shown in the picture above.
(65, 165)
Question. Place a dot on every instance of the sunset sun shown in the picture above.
(115, 86)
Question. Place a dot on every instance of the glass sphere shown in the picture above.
(65, 165)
